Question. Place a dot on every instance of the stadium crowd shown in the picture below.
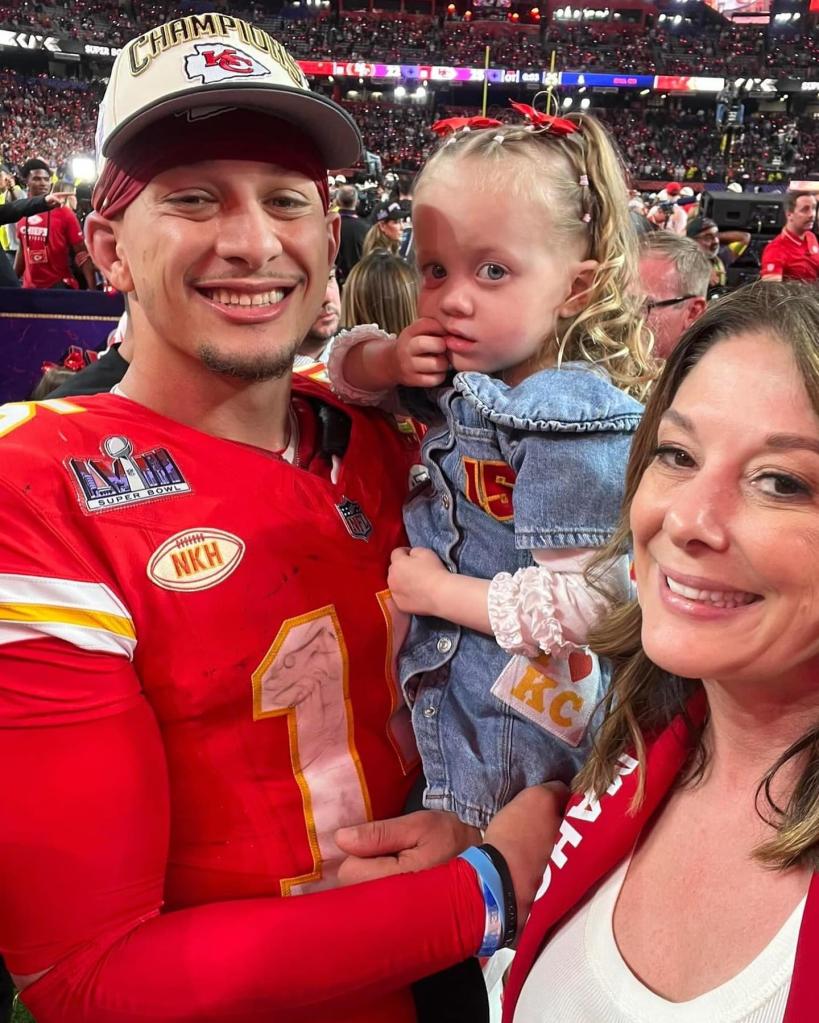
(56, 119)
(692, 46)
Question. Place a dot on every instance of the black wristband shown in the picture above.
(510, 902)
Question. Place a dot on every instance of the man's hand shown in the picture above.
(402, 844)
(413, 579)
(421, 354)
(58, 198)
(525, 831)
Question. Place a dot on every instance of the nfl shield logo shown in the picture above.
(357, 523)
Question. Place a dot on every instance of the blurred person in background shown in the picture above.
(382, 289)
(668, 214)
(10, 191)
(324, 328)
(48, 241)
(11, 210)
(353, 231)
(794, 254)
(673, 277)
(721, 247)
(387, 231)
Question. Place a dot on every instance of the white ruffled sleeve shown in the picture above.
(341, 345)
(550, 607)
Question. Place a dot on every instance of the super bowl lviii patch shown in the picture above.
(123, 477)
(558, 693)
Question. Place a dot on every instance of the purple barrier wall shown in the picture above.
(38, 326)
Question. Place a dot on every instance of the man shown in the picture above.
(794, 254)
(9, 192)
(324, 327)
(47, 241)
(196, 637)
(668, 214)
(721, 247)
(353, 232)
(10, 211)
(674, 277)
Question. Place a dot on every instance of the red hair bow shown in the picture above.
(452, 124)
(556, 125)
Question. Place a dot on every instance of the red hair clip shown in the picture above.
(452, 124)
(555, 125)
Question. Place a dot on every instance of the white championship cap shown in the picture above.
(204, 64)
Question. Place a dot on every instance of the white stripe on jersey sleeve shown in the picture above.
(88, 615)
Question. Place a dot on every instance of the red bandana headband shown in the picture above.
(177, 141)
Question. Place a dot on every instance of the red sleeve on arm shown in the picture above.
(772, 261)
(82, 863)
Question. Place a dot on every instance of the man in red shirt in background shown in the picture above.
(48, 240)
(794, 254)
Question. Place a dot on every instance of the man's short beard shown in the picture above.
(254, 368)
(319, 337)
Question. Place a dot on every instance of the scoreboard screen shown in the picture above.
(732, 8)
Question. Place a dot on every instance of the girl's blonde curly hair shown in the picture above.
(580, 181)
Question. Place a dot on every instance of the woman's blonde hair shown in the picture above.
(581, 181)
(643, 698)
(381, 288)
(376, 241)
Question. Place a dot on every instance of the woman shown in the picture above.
(695, 911)
(386, 232)
(381, 289)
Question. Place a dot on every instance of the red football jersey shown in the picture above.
(150, 571)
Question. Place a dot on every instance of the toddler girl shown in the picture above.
(526, 251)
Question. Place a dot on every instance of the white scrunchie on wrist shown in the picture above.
(344, 341)
(522, 613)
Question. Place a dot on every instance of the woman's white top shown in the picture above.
(581, 977)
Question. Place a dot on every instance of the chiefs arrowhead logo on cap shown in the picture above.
(216, 62)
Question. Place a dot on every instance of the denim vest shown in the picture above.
(511, 470)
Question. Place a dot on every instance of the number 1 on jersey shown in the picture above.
(305, 677)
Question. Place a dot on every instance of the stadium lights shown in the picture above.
(567, 102)
(83, 168)
(399, 92)
(644, 92)
(585, 103)
(467, 15)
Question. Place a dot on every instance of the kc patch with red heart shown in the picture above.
(557, 692)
